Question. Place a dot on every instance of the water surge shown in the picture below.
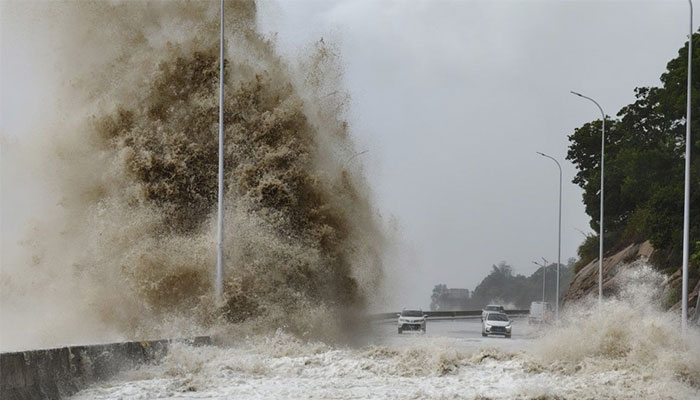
(129, 251)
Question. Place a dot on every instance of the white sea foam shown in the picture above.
(428, 371)
(630, 349)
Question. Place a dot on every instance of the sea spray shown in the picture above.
(629, 332)
(130, 250)
(588, 356)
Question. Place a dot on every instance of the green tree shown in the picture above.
(644, 167)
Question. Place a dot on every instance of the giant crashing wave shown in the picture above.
(137, 170)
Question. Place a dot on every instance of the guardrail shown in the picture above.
(448, 314)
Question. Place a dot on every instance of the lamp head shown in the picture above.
(577, 94)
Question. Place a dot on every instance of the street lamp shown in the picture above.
(220, 216)
(602, 170)
(556, 312)
(686, 207)
(544, 275)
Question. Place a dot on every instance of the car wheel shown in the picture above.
(483, 334)
(400, 331)
(507, 336)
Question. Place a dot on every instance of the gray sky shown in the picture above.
(452, 99)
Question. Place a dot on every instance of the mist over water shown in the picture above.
(129, 252)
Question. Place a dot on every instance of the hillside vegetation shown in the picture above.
(644, 169)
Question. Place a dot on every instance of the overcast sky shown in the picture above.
(452, 100)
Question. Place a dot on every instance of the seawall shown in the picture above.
(60, 372)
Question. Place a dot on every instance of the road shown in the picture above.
(466, 333)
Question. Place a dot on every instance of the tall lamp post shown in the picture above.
(556, 312)
(544, 275)
(220, 216)
(602, 187)
(686, 207)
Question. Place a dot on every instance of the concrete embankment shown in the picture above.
(60, 372)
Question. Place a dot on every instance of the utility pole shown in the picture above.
(220, 215)
(602, 192)
(686, 195)
(556, 312)
(544, 276)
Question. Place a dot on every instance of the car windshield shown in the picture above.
(497, 317)
(411, 313)
(494, 308)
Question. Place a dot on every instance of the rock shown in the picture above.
(585, 282)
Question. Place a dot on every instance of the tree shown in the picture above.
(436, 298)
(644, 167)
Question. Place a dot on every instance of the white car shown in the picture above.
(490, 309)
(496, 324)
(412, 320)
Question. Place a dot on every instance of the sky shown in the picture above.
(454, 98)
(451, 100)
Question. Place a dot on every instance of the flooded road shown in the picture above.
(463, 333)
(451, 361)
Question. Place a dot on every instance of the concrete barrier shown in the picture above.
(56, 373)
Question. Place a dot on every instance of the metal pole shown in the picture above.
(544, 281)
(556, 312)
(686, 207)
(220, 217)
(544, 274)
(556, 316)
(602, 195)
